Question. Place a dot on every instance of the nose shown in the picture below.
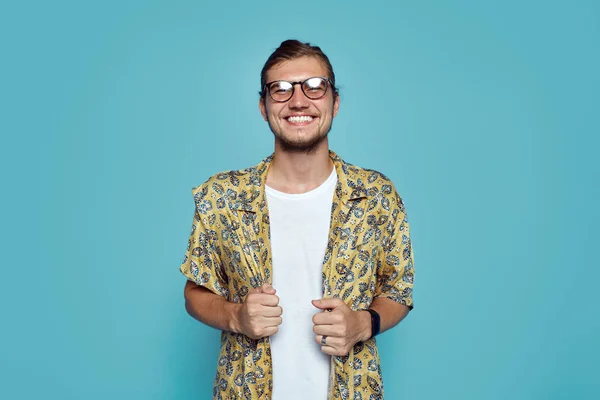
(298, 99)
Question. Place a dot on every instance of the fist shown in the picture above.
(260, 315)
(338, 328)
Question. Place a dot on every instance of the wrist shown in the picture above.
(233, 322)
(365, 323)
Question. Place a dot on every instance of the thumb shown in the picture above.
(267, 289)
(326, 304)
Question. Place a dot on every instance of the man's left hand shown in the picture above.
(341, 326)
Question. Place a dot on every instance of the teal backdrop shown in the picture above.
(485, 114)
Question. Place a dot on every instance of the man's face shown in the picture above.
(300, 123)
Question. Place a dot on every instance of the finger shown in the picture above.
(268, 299)
(319, 340)
(327, 330)
(332, 351)
(273, 321)
(333, 346)
(327, 318)
(325, 304)
(272, 311)
(330, 341)
(271, 330)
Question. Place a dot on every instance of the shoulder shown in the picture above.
(374, 184)
(224, 186)
(232, 179)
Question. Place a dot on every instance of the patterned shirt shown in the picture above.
(368, 255)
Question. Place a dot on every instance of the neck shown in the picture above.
(299, 172)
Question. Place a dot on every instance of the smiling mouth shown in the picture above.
(299, 119)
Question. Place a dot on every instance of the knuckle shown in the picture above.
(253, 330)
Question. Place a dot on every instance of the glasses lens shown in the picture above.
(281, 91)
(315, 88)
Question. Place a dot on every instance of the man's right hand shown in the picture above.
(260, 315)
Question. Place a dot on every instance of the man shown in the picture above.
(301, 260)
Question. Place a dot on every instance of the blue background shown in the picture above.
(484, 114)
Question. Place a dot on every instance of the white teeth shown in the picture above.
(301, 118)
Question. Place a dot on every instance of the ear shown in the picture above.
(263, 108)
(336, 105)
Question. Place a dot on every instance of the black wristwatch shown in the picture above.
(375, 322)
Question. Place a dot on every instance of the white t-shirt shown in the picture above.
(299, 232)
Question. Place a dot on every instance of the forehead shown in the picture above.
(297, 69)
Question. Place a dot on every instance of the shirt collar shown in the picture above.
(252, 188)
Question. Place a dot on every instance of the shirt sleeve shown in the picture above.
(201, 263)
(395, 272)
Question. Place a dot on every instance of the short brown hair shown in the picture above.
(290, 50)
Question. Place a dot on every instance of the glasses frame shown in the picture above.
(267, 88)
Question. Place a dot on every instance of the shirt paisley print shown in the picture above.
(368, 255)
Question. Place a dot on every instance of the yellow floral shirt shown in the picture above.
(368, 255)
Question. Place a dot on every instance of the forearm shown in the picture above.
(210, 308)
(390, 313)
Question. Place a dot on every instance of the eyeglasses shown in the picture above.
(313, 88)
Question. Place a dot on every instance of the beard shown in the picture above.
(307, 146)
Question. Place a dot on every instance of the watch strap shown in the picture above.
(375, 322)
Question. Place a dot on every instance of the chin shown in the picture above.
(303, 146)
(306, 145)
